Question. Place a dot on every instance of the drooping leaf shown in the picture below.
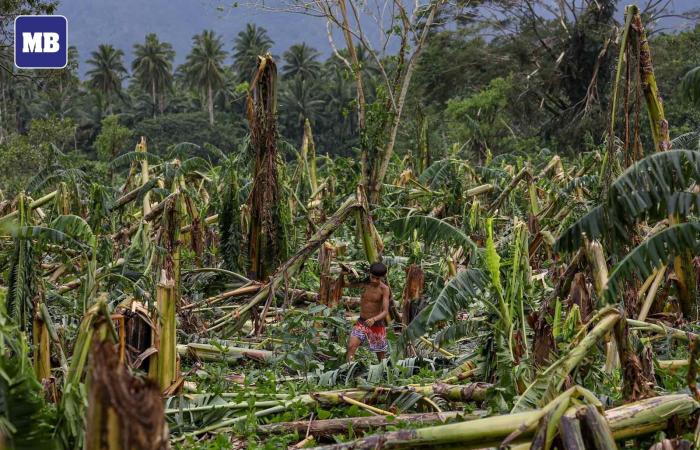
(431, 230)
(659, 249)
(130, 157)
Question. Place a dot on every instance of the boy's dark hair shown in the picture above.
(377, 269)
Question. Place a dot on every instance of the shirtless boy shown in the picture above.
(374, 308)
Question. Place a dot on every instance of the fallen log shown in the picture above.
(208, 352)
(297, 295)
(627, 421)
(153, 214)
(32, 206)
(336, 426)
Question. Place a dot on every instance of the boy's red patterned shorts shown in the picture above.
(374, 335)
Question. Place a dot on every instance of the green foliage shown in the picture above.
(658, 249)
(492, 259)
(26, 155)
(168, 130)
(651, 189)
(480, 120)
(113, 138)
(21, 275)
(26, 421)
(107, 72)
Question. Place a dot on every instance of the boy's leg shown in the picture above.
(353, 344)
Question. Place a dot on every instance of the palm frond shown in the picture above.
(191, 165)
(439, 173)
(182, 150)
(431, 229)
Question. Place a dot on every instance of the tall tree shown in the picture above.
(204, 68)
(301, 60)
(153, 67)
(107, 72)
(248, 45)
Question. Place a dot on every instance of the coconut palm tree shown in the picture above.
(300, 100)
(301, 60)
(152, 68)
(248, 45)
(107, 72)
(204, 68)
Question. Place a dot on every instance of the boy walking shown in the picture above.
(374, 308)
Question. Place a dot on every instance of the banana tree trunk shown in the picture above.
(599, 266)
(627, 421)
(328, 294)
(124, 412)
(682, 265)
(164, 367)
(330, 427)
(423, 147)
(265, 233)
(371, 241)
(412, 292)
(142, 148)
(42, 349)
(308, 152)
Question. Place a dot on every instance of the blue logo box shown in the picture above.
(41, 42)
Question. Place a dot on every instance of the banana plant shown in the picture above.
(647, 192)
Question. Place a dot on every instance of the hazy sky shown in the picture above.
(125, 22)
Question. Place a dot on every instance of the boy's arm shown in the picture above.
(384, 312)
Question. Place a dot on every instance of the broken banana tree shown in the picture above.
(624, 422)
(125, 412)
(266, 233)
(290, 268)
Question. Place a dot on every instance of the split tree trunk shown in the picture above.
(265, 232)
(124, 412)
(412, 293)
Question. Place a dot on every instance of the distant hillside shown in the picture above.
(125, 22)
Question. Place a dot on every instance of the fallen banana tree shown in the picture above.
(361, 397)
(624, 422)
(359, 424)
(290, 268)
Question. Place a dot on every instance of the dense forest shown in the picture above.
(493, 204)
